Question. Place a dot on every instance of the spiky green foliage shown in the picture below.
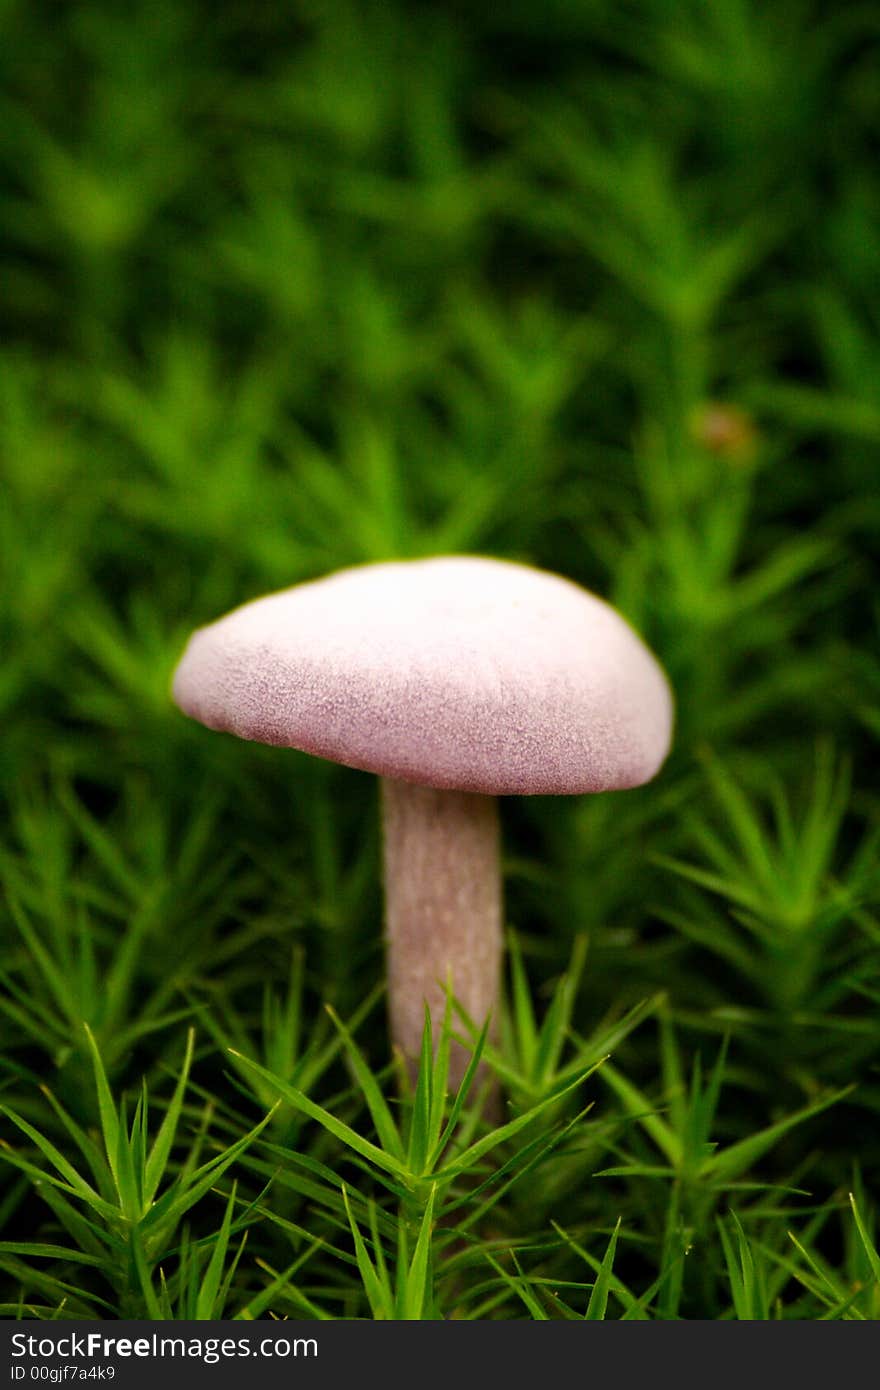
(592, 284)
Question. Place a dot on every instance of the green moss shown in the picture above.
(288, 288)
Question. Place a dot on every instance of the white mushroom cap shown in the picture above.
(457, 672)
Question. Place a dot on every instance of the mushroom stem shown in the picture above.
(442, 910)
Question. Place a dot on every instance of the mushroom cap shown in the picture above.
(457, 672)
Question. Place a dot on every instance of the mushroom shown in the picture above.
(457, 679)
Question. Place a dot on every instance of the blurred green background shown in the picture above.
(595, 285)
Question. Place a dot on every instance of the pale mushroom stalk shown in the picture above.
(442, 910)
